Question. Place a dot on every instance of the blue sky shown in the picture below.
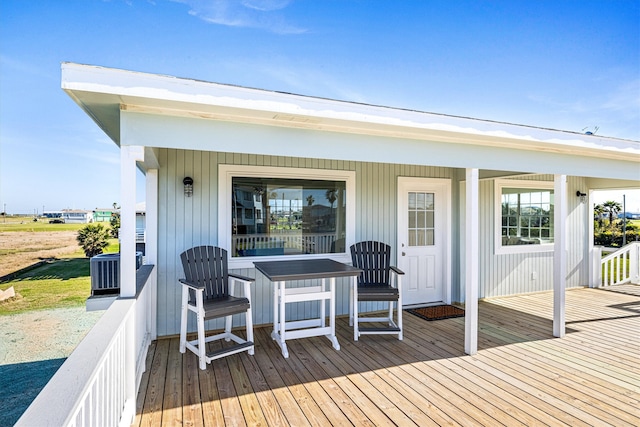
(570, 65)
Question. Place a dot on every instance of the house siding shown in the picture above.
(510, 274)
(190, 221)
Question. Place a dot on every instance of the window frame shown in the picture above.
(518, 249)
(226, 173)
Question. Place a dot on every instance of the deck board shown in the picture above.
(521, 375)
(172, 399)
(211, 406)
(152, 410)
(192, 404)
(229, 398)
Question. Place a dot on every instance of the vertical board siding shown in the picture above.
(185, 222)
(510, 274)
(578, 225)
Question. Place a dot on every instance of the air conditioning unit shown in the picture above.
(105, 273)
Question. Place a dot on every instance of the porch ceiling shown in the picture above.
(103, 92)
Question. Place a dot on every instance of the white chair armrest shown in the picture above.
(398, 275)
(194, 286)
(247, 281)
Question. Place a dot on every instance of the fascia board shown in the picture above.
(157, 94)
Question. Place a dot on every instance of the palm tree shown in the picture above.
(93, 238)
(598, 211)
(331, 196)
(310, 200)
(612, 208)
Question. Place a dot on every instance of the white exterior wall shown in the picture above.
(218, 135)
(509, 274)
(190, 221)
(77, 217)
(185, 222)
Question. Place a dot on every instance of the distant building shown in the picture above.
(630, 215)
(141, 225)
(103, 215)
(77, 216)
(53, 216)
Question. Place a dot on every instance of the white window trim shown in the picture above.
(516, 249)
(227, 172)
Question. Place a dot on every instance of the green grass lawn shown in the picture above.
(26, 224)
(60, 283)
(613, 265)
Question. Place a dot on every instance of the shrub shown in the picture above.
(613, 237)
(115, 225)
(93, 239)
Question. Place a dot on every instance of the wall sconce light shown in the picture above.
(188, 186)
(582, 196)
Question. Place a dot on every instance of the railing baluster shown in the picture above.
(621, 266)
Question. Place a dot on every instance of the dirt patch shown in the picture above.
(20, 249)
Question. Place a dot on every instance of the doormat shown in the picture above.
(437, 312)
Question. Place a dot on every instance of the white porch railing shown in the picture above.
(308, 243)
(621, 266)
(98, 384)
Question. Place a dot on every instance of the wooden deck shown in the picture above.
(520, 376)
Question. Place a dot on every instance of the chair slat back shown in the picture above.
(374, 259)
(207, 265)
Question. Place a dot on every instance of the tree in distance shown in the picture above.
(93, 239)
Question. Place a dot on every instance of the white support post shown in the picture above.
(471, 262)
(151, 216)
(594, 253)
(559, 254)
(634, 266)
(129, 155)
(151, 243)
(595, 281)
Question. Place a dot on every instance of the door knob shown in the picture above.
(403, 254)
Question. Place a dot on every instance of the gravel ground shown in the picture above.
(33, 345)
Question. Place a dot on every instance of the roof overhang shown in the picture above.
(103, 92)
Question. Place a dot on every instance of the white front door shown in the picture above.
(424, 239)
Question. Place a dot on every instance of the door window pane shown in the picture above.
(421, 221)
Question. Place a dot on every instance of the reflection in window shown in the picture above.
(527, 216)
(280, 216)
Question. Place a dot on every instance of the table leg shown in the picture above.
(274, 333)
(283, 343)
(323, 308)
(354, 303)
(332, 313)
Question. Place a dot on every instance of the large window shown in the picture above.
(273, 212)
(524, 216)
